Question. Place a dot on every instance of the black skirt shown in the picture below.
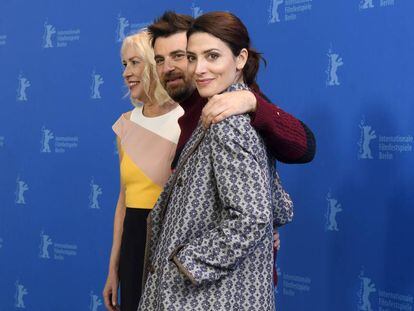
(131, 260)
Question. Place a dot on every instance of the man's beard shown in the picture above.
(181, 92)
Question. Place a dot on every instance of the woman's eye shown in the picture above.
(212, 56)
(135, 62)
(190, 58)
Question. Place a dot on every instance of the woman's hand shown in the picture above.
(110, 292)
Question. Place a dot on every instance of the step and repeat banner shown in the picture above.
(344, 67)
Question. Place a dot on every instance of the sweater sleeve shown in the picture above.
(288, 138)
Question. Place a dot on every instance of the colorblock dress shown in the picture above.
(147, 148)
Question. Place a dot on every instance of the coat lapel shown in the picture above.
(188, 150)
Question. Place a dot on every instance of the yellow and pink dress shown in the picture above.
(147, 148)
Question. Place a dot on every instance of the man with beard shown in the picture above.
(289, 139)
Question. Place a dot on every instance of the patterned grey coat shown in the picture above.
(210, 235)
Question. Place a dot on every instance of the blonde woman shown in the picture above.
(147, 137)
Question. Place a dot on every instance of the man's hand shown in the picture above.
(276, 239)
(110, 292)
(222, 106)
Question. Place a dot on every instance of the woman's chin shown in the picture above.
(206, 93)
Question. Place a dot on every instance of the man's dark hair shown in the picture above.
(169, 24)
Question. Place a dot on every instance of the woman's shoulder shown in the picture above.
(127, 115)
(119, 125)
(235, 129)
(235, 134)
(237, 124)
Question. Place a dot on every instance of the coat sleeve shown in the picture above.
(242, 182)
(288, 138)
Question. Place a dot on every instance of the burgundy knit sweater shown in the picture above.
(289, 139)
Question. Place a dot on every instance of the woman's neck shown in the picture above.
(151, 109)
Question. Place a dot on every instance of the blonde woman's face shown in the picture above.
(133, 69)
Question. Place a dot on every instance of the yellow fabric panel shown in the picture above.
(140, 191)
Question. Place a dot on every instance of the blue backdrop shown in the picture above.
(345, 67)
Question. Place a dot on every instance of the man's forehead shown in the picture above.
(166, 45)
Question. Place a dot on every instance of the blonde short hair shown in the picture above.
(151, 83)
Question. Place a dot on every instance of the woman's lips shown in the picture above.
(203, 82)
(132, 84)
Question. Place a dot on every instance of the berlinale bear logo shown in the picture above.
(47, 136)
(335, 61)
(22, 187)
(274, 11)
(367, 135)
(366, 289)
(45, 242)
(96, 191)
(50, 30)
(24, 83)
(21, 291)
(97, 81)
(334, 207)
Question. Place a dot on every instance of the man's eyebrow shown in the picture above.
(177, 52)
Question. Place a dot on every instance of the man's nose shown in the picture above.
(167, 66)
